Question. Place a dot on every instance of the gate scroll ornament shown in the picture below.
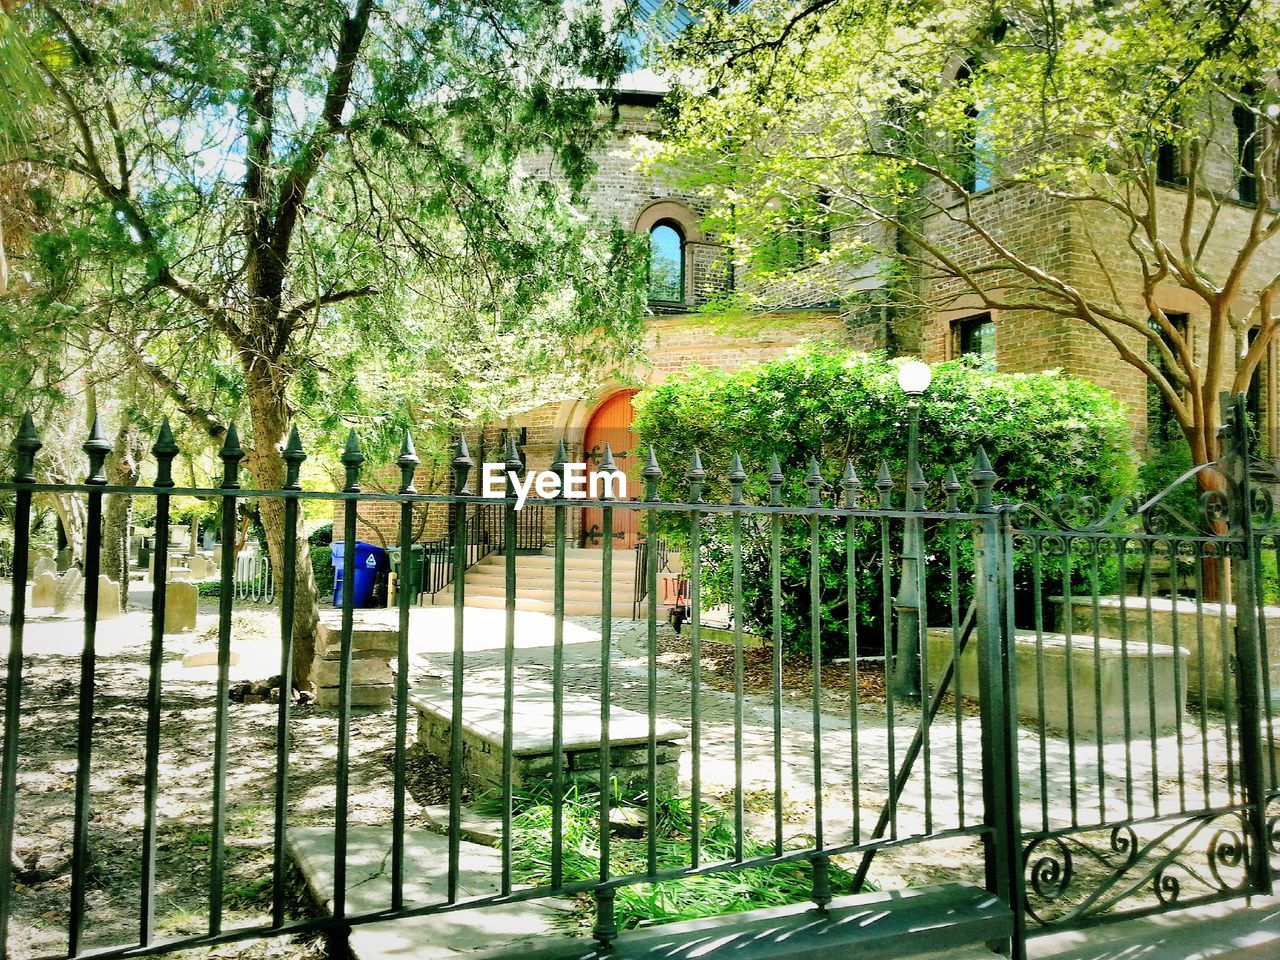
(1126, 855)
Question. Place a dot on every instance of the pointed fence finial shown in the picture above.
(407, 462)
(98, 447)
(607, 465)
(951, 486)
(776, 479)
(165, 449)
(462, 464)
(513, 465)
(352, 458)
(231, 454)
(293, 455)
(983, 479)
(651, 473)
(814, 482)
(25, 445)
(696, 477)
(884, 483)
(558, 466)
(737, 477)
(851, 485)
(917, 484)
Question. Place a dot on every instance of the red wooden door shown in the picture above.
(611, 423)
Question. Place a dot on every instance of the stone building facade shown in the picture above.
(1077, 242)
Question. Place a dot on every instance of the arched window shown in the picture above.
(666, 262)
(977, 153)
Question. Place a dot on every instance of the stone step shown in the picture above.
(538, 561)
(586, 591)
(574, 608)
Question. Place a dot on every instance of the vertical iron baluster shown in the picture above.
(921, 646)
(462, 464)
(1228, 692)
(1068, 617)
(952, 487)
(884, 484)
(1151, 682)
(293, 456)
(776, 479)
(821, 894)
(696, 476)
(25, 446)
(1037, 594)
(1249, 661)
(737, 477)
(97, 447)
(1094, 546)
(408, 463)
(606, 927)
(852, 487)
(1177, 671)
(999, 705)
(652, 473)
(352, 458)
(513, 468)
(165, 450)
(1124, 678)
(1202, 673)
(231, 454)
(557, 680)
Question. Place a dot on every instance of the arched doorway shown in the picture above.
(611, 423)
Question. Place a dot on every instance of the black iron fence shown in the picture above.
(1106, 754)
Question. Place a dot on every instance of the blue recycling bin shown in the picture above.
(371, 562)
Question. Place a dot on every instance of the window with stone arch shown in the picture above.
(666, 261)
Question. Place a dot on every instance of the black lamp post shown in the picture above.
(914, 378)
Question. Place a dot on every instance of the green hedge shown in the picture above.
(322, 570)
(1045, 434)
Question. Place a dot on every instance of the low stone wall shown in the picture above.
(1206, 630)
(482, 735)
(1078, 679)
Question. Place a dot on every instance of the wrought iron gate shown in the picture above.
(1118, 775)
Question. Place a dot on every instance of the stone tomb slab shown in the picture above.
(1098, 678)
(482, 735)
(426, 857)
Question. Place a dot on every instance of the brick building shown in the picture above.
(689, 268)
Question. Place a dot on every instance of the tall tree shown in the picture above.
(254, 195)
(923, 139)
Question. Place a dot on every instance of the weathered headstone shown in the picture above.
(44, 565)
(217, 555)
(180, 599)
(108, 598)
(201, 568)
(70, 592)
(35, 553)
(44, 593)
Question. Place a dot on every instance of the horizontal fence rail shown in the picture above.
(955, 672)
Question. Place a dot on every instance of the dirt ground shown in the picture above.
(46, 781)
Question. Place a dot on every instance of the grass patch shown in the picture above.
(687, 898)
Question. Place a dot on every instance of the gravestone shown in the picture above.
(70, 592)
(180, 599)
(217, 555)
(108, 598)
(44, 565)
(45, 591)
(35, 553)
(201, 568)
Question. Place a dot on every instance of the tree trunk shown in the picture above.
(270, 417)
(1215, 573)
(123, 469)
(71, 512)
